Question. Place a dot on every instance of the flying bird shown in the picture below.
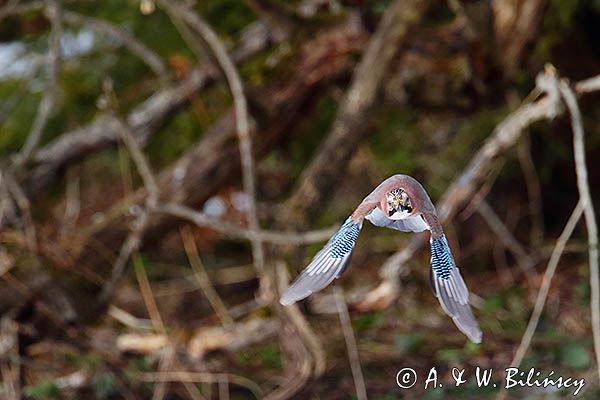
(400, 202)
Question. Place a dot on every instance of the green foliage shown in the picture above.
(228, 16)
(80, 360)
(17, 123)
(367, 321)
(104, 386)
(574, 355)
(141, 364)
(179, 135)
(267, 355)
(451, 355)
(270, 356)
(44, 390)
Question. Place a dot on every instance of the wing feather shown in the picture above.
(327, 265)
(451, 290)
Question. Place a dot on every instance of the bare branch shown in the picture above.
(47, 104)
(22, 202)
(235, 231)
(72, 204)
(13, 7)
(203, 279)
(146, 289)
(588, 85)
(522, 258)
(357, 375)
(133, 240)
(141, 163)
(534, 191)
(545, 287)
(273, 16)
(583, 186)
(10, 368)
(185, 376)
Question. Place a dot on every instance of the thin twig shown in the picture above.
(146, 54)
(10, 368)
(242, 126)
(23, 204)
(353, 358)
(72, 204)
(47, 104)
(187, 35)
(273, 16)
(224, 389)
(185, 376)
(141, 163)
(146, 290)
(545, 287)
(167, 359)
(203, 279)
(170, 358)
(134, 238)
(534, 191)
(127, 319)
(588, 85)
(131, 244)
(588, 210)
(235, 231)
(521, 256)
(14, 7)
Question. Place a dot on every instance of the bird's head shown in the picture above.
(398, 204)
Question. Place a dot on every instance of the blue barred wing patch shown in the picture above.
(442, 262)
(344, 240)
(327, 264)
(451, 290)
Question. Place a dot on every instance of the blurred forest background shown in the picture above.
(166, 167)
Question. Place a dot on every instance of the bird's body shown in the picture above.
(401, 203)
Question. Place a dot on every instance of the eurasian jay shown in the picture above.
(400, 202)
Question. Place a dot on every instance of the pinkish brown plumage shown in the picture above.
(401, 203)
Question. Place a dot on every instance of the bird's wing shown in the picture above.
(451, 290)
(327, 265)
(415, 223)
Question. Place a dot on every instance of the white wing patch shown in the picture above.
(415, 223)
